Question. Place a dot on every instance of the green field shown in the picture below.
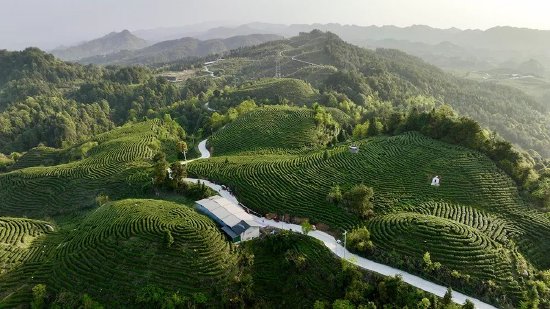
(475, 222)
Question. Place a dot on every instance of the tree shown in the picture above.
(102, 199)
(448, 297)
(160, 169)
(360, 199)
(182, 147)
(326, 155)
(89, 303)
(424, 303)
(306, 227)
(38, 296)
(359, 240)
(428, 264)
(342, 304)
(468, 305)
(335, 195)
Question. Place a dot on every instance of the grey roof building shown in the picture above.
(234, 221)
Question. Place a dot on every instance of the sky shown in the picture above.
(49, 23)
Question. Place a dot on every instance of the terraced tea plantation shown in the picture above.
(294, 90)
(475, 222)
(123, 246)
(118, 249)
(117, 165)
(285, 285)
(17, 241)
(267, 129)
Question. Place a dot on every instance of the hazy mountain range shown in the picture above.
(110, 43)
(172, 50)
(455, 49)
(449, 48)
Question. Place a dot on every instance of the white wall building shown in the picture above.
(235, 221)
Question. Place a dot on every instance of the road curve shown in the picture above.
(340, 251)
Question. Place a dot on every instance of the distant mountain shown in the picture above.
(111, 43)
(174, 50)
(464, 49)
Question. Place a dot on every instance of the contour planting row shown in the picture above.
(398, 168)
(455, 245)
(474, 196)
(109, 168)
(17, 241)
(268, 128)
(125, 244)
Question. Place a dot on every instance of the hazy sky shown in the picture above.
(47, 23)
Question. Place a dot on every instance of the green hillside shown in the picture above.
(268, 129)
(118, 250)
(330, 64)
(475, 223)
(294, 90)
(114, 163)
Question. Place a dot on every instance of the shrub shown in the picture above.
(360, 199)
(359, 240)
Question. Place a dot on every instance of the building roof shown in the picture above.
(230, 214)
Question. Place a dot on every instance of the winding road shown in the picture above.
(339, 250)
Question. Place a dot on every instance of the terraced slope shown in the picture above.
(294, 90)
(17, 244)
(122, 247)
(475, 222)
(276, 279)
(117, 166)
(267, 129)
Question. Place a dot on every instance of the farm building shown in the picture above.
(234, 221)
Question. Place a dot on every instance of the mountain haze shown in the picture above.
(110, 43)
(174, 50)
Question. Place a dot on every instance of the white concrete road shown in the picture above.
(340, 251)
(205, 154)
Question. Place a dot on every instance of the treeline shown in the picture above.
(46, 101)
(52, 121)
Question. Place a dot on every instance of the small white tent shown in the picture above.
(435, 181)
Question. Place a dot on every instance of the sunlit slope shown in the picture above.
(267, 129)
(116, 164)
(122, 247)
(471, 223)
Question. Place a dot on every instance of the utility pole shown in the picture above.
(277, 69)
(345, 240)
(278, 65)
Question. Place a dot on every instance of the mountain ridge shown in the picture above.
(109, 43)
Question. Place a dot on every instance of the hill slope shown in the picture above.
(475, 223)
(114, 163)
(108, 44)
(393, 76)
(120, 249)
